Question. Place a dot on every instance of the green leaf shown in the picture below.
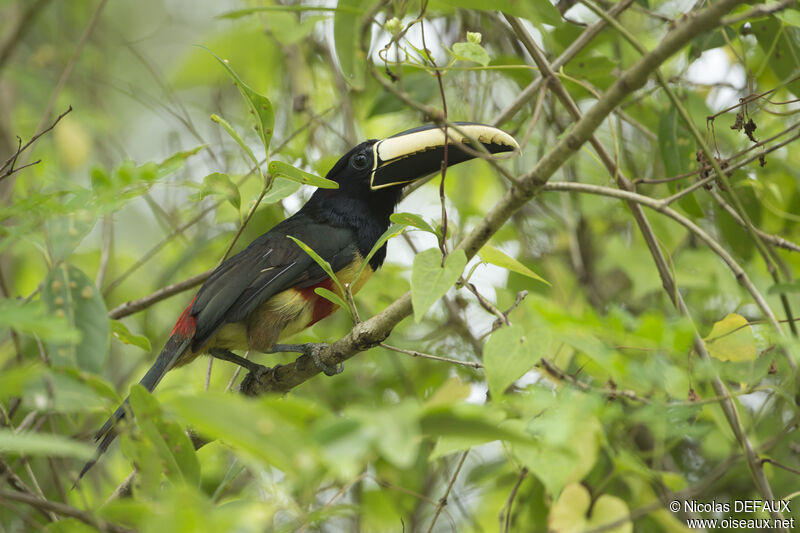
(239, 13)
(346, 35)
(429, 281)
(254, 427)
(677, 147)
(33, 319)
(779, 288)
(67, 292)
(509, 353)
(471, 52)
(14, 380)
(236, 137)
(279, 169)
(280, 189)
(170, 441)
(331, 297)
(478, 423)
(539, 11)
(176, 161)
(124, 335)
(392, 231)
(781, 44)
(324, 265)
(44, 445)
(496, 257)
(731, 339)
(410, 219)
(259, 104)
(221, 185)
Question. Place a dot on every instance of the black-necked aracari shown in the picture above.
(266, 292)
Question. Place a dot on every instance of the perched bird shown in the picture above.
(266, 292)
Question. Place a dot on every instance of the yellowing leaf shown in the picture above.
(72, 142)
(496, 257)
(731, 339)
(569, 513)
(452, 391)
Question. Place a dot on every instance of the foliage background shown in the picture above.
(585, 401)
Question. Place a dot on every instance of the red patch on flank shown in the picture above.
(185, 326)
(322, 306)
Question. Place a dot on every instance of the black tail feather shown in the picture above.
(173, 349)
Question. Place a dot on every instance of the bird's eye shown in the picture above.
(359, 161)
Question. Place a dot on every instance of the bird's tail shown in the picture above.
(173, 349)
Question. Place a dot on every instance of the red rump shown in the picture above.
(322, 306)
(186, 323)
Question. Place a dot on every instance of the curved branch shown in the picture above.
(374, 330)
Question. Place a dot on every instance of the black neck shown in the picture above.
(368, 217)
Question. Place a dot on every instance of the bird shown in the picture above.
(266, 292)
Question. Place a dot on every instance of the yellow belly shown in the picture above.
(286, 313)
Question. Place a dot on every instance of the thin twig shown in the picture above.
(443, 500)
(8, 167)
(415, 353)
(133, 306)
(62, 509)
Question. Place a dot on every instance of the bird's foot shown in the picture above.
(258, 381)
(312, 350)
(227, 355)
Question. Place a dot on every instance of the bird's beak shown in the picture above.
(415, 153)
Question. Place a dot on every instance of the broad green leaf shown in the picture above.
(781, 44)
(173, 445)
(731, 339)
(43, 444)
(14, 380)
(410, 219)
(477, 422)
(238, 13)
(539, 11)
(677, 147)
(68, 525)
(575, 511)
(236, 137)
(509, 353)
(778, 288)
(67, 292)
(331, 297)
(790, 17)
(565, 452)
(496, 257)
(429, 281)
(221, 185)
(347, 23)
(254, 427)
(280, 189)
(124, 335)
(279, 169)
(259, 104)
(471, 52)
(33, 319)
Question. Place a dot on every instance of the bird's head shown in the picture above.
(377, 170)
